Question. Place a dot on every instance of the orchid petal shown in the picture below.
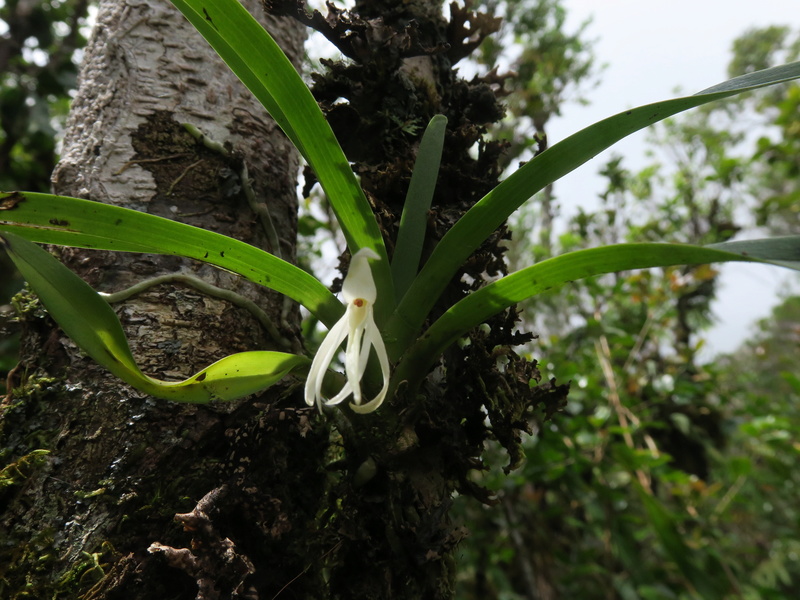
(343, 393)
(374, 339)
(322, 360)
(360, 310)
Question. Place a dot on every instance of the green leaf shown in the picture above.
(92, 324)
(50, 219)
(414, 221)
(258, 61)
(552, 164)
(706, 582)
(552, 273)
(783, 251)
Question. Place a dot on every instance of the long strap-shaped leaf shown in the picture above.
(555, 272)
(92, 324)
(258, 61)
(65, 221)
(414, 221)
(552, 164)
(783, 251)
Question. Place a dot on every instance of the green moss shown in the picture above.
(33, 556)
(27, 305)
(81, 495)
(18, 471)
(87, 571)
(33, 385)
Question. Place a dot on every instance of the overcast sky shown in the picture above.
(650, 49)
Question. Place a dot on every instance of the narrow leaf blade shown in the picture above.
(685, 558)
(232, 377)
(414, 221)
(91, 323)
(783, 251)
(83, 315)
(552, 273)
(50, 219)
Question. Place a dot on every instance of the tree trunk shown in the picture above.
(95, 471)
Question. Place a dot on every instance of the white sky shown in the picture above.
(650, 49)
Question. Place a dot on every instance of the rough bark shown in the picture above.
(95, 472)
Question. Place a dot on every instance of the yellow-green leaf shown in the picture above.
(92, 324)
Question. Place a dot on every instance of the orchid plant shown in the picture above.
(385, 303)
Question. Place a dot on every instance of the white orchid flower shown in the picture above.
(358, 326)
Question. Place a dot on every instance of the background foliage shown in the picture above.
(668, 476)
